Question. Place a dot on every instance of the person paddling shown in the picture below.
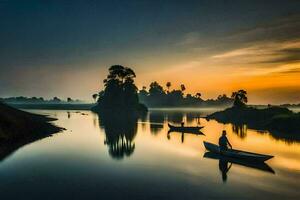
(224, 142)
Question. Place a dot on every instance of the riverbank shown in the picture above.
(18, 128)
(280, 122)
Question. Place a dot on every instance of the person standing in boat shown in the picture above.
(224, 142)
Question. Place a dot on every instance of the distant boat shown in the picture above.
(185, 129)
(237, 153)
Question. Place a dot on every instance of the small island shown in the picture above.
(279, 121)
(120, 94)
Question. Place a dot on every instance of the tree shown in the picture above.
(119, 74)
(198, 95)
(69, 99)
(156, 89)
(240, 98)
(56, 99)
(168, 84)
(182, 87)
(143, 94)
(120, 91)
(95, 97)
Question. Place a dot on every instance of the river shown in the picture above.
(96, 159)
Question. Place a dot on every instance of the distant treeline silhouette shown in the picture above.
(36, 100)
(157, 96)
(279, 121)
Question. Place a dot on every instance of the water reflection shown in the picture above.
(224, 167)
(225, 164)
(120, 133)
(240, 130)
(157, 167)
(156, 122)
(175, 117)
(183, 134)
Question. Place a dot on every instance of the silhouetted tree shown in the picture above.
(198, 95)
(182, 87)
(69, 99)
(120, 92)
(95, 96)
(168, 85)
(143, 95)
(157, 96)
(240, 98)
(155, 89)
(56, 99)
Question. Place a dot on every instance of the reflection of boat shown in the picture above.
(237, 153)
(256, 165)
(185, 129)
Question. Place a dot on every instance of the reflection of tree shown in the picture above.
(240, 130)
(120, 131)
(190, 117)
(156, 121)
(175, 117)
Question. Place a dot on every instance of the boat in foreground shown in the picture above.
(185, 129)
(237, 153)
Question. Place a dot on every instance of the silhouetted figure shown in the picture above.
(224, 168)
(223, 142)
(182, 124)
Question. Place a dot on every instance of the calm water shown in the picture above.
(94, 159)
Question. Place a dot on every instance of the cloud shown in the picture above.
(290, 71)
(280, 29)
(190, 38)
(264, 53)
(275, 42)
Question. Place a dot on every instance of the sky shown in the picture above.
(64, 48)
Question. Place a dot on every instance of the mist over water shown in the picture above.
(98, 158)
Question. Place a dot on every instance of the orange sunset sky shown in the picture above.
(213, 47)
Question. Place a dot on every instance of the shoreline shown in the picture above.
(19, 128)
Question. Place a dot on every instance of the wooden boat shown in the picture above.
(246, 163)
(237, 153)
(185, 129)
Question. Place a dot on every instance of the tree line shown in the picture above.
(158, 96)
(37, 100)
